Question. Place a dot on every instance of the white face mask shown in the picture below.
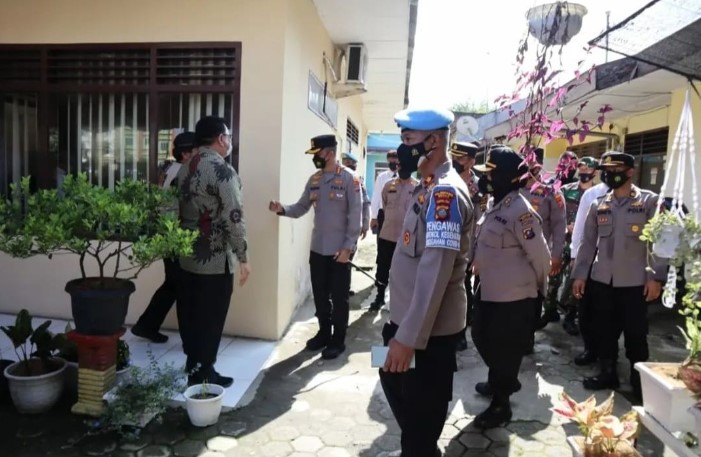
(229, 149)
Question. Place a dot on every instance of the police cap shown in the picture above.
(615, 158)
(503, 159)
(350, 156)
(320, 142)
(424, 119)
(464, 149)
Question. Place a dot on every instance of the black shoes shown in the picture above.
(484, 389)
(212, 377)
(462, 344)
(377, 304)
(570, 327)
(585, 358)
(333, 350)
(153, 336)
(498, 414)
(318, 341)
(550, 315)
(606, 379)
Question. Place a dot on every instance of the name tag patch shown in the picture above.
(443, 219)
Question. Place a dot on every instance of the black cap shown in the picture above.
(184, 141)
(464, 149)
(615, 158)
(320, 142)
(504, 159)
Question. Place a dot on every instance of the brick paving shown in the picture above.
(305, 407)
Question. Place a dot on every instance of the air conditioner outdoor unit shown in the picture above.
(356, 64)
(352, 71)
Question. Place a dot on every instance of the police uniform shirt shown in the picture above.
(427, 276)
(550, 206)
(511, 253)
(396, 199)
(365, 222)
(611, 242)
(376, 202)
(337, 202)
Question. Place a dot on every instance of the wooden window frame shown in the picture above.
(45, 89)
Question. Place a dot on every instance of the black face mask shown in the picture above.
(568, 176)
(586, 177)
(319, 162)
(404, 174)
(393, 166)
(352, 166)
(615, 179)
(484, 185)
(458, 167)
(409, 156)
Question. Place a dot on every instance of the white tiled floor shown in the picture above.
(238, 357)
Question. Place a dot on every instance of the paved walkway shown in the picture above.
(305, 407)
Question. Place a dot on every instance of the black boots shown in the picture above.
(550, 315)
(335, 347)
(379, 299)
(321, 339)
(496, 415)
(585, 358)
(606, 379)
(569, 323)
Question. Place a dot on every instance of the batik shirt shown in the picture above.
(211, 203)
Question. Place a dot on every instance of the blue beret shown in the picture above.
(350, 156)
(424, 119)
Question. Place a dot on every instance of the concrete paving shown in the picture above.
(302, 406)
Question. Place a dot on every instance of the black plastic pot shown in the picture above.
(99, 305)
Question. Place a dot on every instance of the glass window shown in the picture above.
(18, 138)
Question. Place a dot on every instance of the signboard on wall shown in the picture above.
(320, 103)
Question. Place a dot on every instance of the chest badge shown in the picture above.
(635, 228)
(407, 238)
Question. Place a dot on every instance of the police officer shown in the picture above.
(396, 199)
(334, 192)
(620, 286)
(586, 172)
(513, 261)
(565, 174)
(550, 206)
(351, 161)
(427, 285)
(463, 160)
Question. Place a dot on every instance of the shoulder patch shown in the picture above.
(528, 233)
(443, 219)
(526, 219)
(559, 200)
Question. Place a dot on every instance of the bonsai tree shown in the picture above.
(536, 107)
(130, 226)
(35, 347)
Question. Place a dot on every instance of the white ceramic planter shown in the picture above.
(35, 394)
(665, 400)
(203, 412)
(541, 20)
(667, 242)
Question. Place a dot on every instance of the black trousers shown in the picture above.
(619, 310)
(331, 289)
(380, 221)
(419, 397)
(203, 302)
(501, 332)
(163, 299)
(385, 251)
(587, 321)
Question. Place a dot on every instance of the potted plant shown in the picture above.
(555, 23)
(203, 403)
(122, 231)
(668, 387)
(36, 380)
(603, 435)
(123, 360)
(143, 394)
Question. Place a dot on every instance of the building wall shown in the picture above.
(281, 41)
(306, 40)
